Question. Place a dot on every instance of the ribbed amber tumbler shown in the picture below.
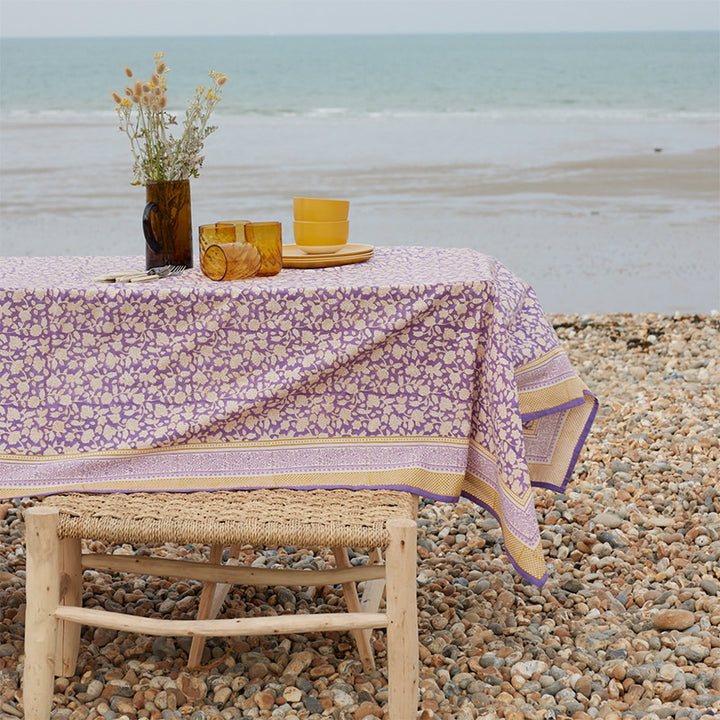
(231, 261)
(267, 238)
(219, 233)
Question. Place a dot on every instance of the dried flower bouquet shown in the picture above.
(159, 156)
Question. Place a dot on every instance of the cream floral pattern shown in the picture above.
(412, 370)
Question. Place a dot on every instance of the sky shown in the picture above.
(103, 18)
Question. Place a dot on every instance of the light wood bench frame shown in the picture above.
(55, 566)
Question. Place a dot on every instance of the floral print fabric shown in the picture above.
(429, 370)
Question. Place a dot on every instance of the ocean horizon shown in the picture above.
(586, 162)
(611, 75)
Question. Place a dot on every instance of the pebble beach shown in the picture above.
(627, 625)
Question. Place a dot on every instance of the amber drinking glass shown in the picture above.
(231, 261)
(267, 238)
(219, 233)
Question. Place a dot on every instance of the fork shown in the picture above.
(148, 276)
(167, 270)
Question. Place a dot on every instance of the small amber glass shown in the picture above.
(267, 238)
(219, 233)
(231, 261)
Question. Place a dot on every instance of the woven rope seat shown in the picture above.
(381, 521)
(308, 518)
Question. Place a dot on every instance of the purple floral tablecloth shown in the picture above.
(428, 370)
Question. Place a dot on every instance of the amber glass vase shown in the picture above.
(167, 224)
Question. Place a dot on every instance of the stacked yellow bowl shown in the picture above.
(321, 225)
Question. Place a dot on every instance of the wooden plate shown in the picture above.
(294, 257)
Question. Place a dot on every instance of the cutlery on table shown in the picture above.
(148, 276)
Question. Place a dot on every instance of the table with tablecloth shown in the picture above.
(429, 370)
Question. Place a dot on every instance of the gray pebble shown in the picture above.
(312, 704)
(573, 706)
(554, 688)
(688, 714)
(489, 660)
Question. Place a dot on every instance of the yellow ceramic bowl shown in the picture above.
(321, 237)
(320, 210)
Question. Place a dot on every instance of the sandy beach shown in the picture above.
(626, 627)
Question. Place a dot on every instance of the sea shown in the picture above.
(588, 163)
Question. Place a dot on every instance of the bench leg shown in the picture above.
(43, 595)
(402, 630)
(374, 589)
(361, 637)
(211, 599)
(68, 633)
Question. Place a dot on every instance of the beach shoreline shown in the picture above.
(587, 163)
(627, 624)
(592, 215)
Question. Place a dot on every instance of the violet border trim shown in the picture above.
(575, 402)
(432, 453)
(538, 582)
(578, 447)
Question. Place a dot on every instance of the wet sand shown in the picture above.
(590, 215)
